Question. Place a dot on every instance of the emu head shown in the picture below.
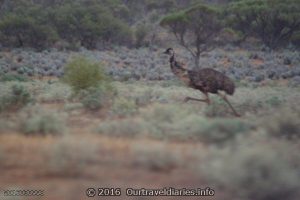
(169, 51)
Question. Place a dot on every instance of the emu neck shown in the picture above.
(175, 65)
(178, 70)
(172, 58)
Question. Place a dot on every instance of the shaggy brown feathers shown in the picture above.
(206, 80)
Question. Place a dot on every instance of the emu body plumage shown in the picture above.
(210, 81)
(206, 80)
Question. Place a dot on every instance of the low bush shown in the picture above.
(175, 123)
(69, 157)
(123, 128)
(145, 98)
(155, 157)
(17, 97)
(286, 125)
(20, 95)
(221, 130)
(124, 107)
(81, 73)
(12, 77)
(43, 123)
(274, 101)
(162, 119)
(54, 92)
(253, 170)
(95, 98)
(214, 131)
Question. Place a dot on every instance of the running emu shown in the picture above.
(206, 80)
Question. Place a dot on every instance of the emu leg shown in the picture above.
(226, 100)
(195, 99)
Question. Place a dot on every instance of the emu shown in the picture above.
(206, 80)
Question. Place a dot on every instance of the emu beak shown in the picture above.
(165, 52)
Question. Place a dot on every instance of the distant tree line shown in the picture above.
(40, 24)
(72, 23)
(275, 23)
(98, 24)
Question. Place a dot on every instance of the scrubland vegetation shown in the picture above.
(87, 98)
(224, 152)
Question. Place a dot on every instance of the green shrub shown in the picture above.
(253, 170)
(172, 122)
(216, 131)
(80, 74)
(55, 92)
(12, 77)
(44, 123)
(162, 121)
(95, 98)
(21, 95)
(124, 107)
(274, 101)
(17, 97)
(286, 125)
(221, 130)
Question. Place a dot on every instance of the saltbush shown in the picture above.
(12, 77)
(123, 128)
(16, 97)
(44, 124)
(215, 131)
(286, 125)
(81, 73)
(253, 170)
(124, 107)
(95, 98)
(69, 157)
